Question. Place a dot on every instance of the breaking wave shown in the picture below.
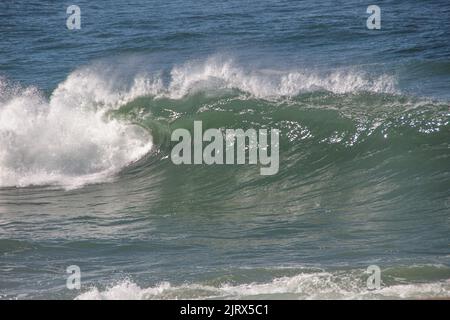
(80, 135)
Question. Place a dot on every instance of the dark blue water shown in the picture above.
(85, 177)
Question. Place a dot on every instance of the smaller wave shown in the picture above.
(317, 285)
(8, 246)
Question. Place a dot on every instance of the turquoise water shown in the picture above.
(86, 177)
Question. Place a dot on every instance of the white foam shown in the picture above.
(65, 141)
(319, 285)
(99, 87)
(217, 73)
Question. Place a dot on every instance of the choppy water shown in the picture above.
(86, 178)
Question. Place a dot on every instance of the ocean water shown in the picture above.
(86, 177)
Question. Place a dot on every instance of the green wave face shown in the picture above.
(319, 130)
(363, 155)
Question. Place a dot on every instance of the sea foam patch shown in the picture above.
(318, 285)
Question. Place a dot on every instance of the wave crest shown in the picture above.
(224, 74)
